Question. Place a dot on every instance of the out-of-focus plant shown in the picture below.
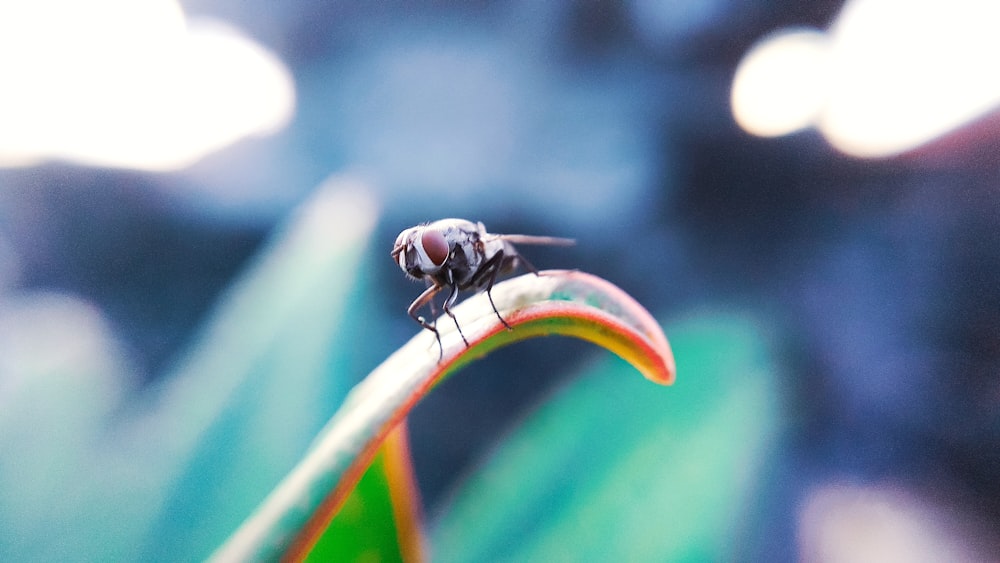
(91, 472)
(606, 467)
(612, 469)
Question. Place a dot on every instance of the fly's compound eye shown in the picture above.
(435, 246)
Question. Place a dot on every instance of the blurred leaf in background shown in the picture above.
(613, 469)
(171, 475)
(275, 355)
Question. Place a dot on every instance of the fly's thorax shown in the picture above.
(453, 228)
(471, 257)
(491, 245)
(511, 258)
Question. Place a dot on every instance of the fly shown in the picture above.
(459, 255)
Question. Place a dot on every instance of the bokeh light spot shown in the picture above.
(847, 523)
(130, 84)
(888, 76)
(779, 86)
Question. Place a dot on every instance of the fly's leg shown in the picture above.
(434, 311)
(491, 268)
(527, 265)
(447, 309)
(425, 297)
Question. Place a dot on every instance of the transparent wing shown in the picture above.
(531, 239)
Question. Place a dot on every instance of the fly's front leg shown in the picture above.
(422, 300)
(491, 268)
(425, 297)
(447, 309)
(434, 311)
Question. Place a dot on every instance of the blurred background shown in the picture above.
(197, 194)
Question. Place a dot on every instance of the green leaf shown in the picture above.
(380, 519)
(294, 516)
(93, 473)
(610, 470)
(243, 405)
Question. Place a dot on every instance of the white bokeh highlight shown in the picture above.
(887, 77)
(844, 523)
(127, 84)
(780, 86)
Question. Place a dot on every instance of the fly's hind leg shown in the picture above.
(527, 265)
(491, 268)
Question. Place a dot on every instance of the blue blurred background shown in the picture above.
(874, 279)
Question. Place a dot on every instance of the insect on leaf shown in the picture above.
(293, 518)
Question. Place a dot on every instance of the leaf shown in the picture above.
(380, 519)
(241, 406)
(609, 470)
(95, 471)
(557, 302)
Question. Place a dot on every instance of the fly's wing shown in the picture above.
(531, 239)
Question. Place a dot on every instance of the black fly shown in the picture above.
(459, 255)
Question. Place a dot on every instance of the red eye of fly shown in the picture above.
(435, 246)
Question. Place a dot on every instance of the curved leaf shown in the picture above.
(567, 303)
(380, 519)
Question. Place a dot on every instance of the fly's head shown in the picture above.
(421, 251)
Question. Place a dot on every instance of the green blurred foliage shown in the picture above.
(613, 468)
(90, 472)
(364, 529)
